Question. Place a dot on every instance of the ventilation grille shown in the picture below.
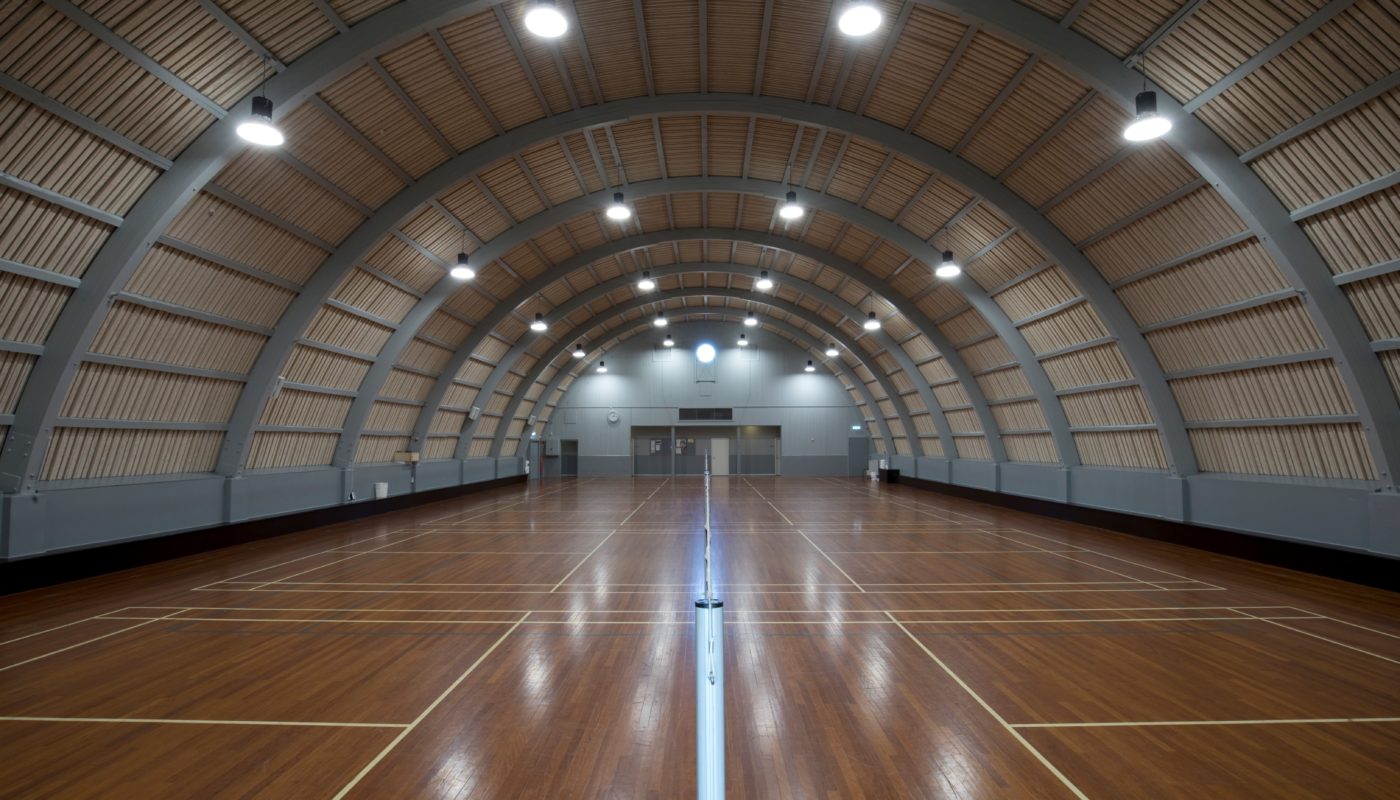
(706, 414)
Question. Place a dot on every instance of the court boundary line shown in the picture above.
(1199, 723)
(599, 546)
(249, 722)
(147, 621)
(403, 734)
(1330, 641)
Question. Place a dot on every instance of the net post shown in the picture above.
(709, 678)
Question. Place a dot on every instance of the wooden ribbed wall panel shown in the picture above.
(1118, 25)
(321, 368)
(287, 28)
(101, 391)
(965, 327)
(391, 417)
(440, 447)
(972, 447)
(380, 298)
(177, 277)
(274, 185)
(292, 407)
(479, 448)
(340, 329)
(423, 73)
(138, 332)
(1199, 219)
(1346, 152)
(485, 55)
(404, 385)
(450, 422)
(963, 420)
(1225, 276)
(284, 449)
(986, 355)
(1034, 448)
(29, 308)
(44, 235)
(1092, 136)
(1309, 388)
(14, 371)
(1391, 361)
(1360, 233)
(486, 426)
(459, 396)
(1005, 262)
(1377, 302)
(673, 29)
(1025, 416)
(43, 48)
(1044, 290)
(105, 453)
(1220, 36)
(1147, 174)
(1312, 451)
(1134, 449)
(950, 395)
(936, 370)
(398, 260)
(352, 11)
(219, 227)
(315, 140)
(1043, 97)
(1075, 325)
(1102, 364)
(1004, 384)
(379, 449)
(1271, 330)
(1122, 406)
(933, 447)
(45, 150)
(985, 67)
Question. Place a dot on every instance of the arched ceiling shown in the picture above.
(1226, 300)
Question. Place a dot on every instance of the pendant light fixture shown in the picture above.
(859, 19)
(871, 323)
(546, 21)
(461, 271)
(539, 325)
(831, 351)
(751, 320)
(646, 284)
(602, 367)
(660, 320)
(743, 340)
(668, 341)
(618, 211)
(258, 128)
(949, 268)
(810, 366)
(1148, 123)
(579, 352)
(791, 209)
(764, 283)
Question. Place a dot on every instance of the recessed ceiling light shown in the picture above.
(545, 21)
(859, 19)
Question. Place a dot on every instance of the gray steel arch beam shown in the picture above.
(215, 148)
(579, 301)
(1297, 257)
(758, 298)
(778, 325)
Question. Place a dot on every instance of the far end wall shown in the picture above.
(764, 384)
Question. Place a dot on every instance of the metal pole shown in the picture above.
(709, 677)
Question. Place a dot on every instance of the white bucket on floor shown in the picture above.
(381, 490)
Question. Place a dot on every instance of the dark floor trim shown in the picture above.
(48, 570)
(1346, 565)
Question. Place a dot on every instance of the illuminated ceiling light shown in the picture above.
(859, 19)
(790, 209)
(258, 128)
(705, 353)
(545, 21)
(618, 210)
(602, 367)
(460, 270)
(668, 341)
(831, 351)
(660, 320)
(949, 268)
(743, 340)
(646, 284)
(871, 323)
(764, 282)
(810, 367)
(857, 427)
(539, 324)
(1148, 124)
(579, 351)
(750, 320)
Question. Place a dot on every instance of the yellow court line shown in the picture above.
(1203, 722)
(153, 721)
(431, 707)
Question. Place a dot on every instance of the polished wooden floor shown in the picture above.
(535, 642)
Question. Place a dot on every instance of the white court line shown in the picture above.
(257, 585)
(1238, 609)
(138, 721)
(831, 560)
(1354, 625)
(56, 628)
(1330, 641)
(460, 553)
(80, 644)
(431, 707)
(1203, 722)
(830, 620)
(609, 536)
(1134, 589)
